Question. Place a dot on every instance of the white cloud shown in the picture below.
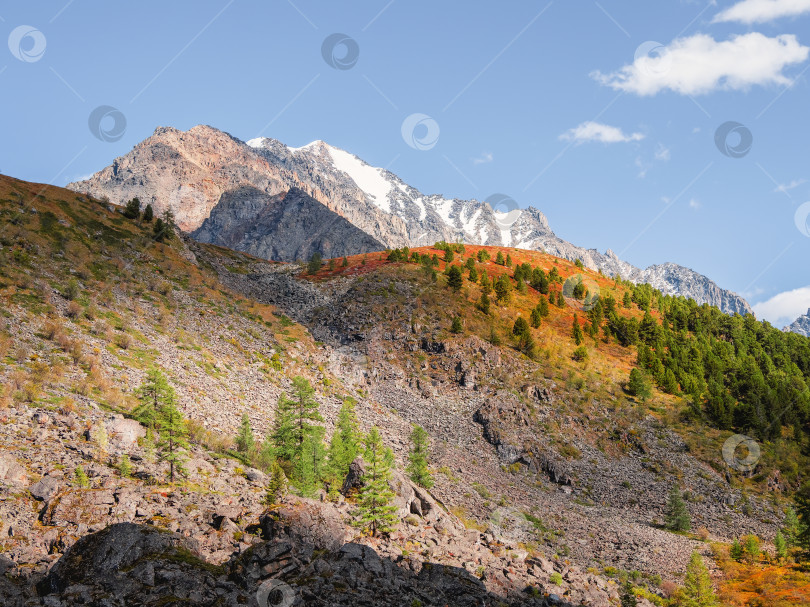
(760, 11)
(661, 152)
(694, 204)
(594, 131)
(699, 65)
(784, 187)
(783, 308)
(484, 158)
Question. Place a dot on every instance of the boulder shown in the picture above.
(11, 471)
(124, 433)
(45, 489)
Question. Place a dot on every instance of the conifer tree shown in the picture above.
(473, 275)
(520, 327)
(508, 261)
(780, 545)
(345, 263)
(503, 289)
(639, 385)
(148, 213)
(277, 486)
(153, 393)
(484, 303)
(294, 420)
(267, 453)
(418, 458)
(677, 515)
(791, 527)
(454, 278)
(315, 263)
(245, 441)
(499, 259)
(124, 467)
(456, 327)
(542, 307)
(448, 255)
(536, 318)
(697, 588)
(309, 467)
(576, 331)
(132, 210)
(172, 442)
(628, 597)
(735, 552)
(802, 537)
(376, 512)
(486, 285)
(345, 443)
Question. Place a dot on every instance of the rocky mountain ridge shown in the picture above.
(801, 325)
(194, 171)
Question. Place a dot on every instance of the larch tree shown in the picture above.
(697, 590)
(376, 511)
(418, 458)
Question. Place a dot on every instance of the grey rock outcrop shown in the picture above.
(801, 325)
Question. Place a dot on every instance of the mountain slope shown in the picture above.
(285, 227)
(191, 171)
(801, 325)
(549, 478)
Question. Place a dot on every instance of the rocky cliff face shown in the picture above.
(226, 191)
(801, 325)
(284, 227)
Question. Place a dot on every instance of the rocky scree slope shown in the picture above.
(592, 464)
(193, 172)
(91, 302)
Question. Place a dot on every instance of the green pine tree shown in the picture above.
(802, 537)
(148, 213)
(245, 441)
(267, 453)
(307, 467)
(456, 327)
(542, 307)
(781, 547)
(124, 467)
(639, 385)
(486, 284)
(418, 458)
(499, 259)
(536, 318)
(697, 588)
(484, 303)
(345, 263)
(153, 393)
(172, 442)
(315, 263)
(132, 210)
(677, 515)
(81, 478)
(503, 289)
(576, 332)
(376, 511)
(791, 527)
(455, 279)
(628, 597)
(520, 327)
(294, 420)
(735, 552)
(277, 486)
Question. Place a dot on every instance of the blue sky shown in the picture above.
(601, 114)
